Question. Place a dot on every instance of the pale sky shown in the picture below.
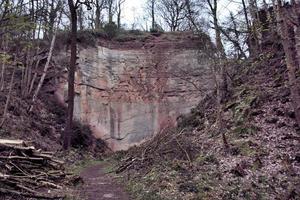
(134, 10)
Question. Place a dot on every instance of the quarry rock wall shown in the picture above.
(126, 95)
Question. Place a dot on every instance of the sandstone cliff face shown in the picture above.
(128, 94)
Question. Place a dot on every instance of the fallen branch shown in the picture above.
(24, 170)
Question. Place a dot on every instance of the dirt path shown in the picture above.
(100, 186)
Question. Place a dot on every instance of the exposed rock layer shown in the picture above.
(127, 94)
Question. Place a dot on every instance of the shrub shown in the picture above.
(136, 32)
(111, 30)
(157, 30)
(124, 38)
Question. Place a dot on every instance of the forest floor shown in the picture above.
(97, 182)
(100, 186)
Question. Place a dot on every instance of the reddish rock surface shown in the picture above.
(129, 91)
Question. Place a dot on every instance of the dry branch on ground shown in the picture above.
(29, 172)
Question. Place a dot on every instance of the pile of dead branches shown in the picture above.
(169, 144)
(28, 172)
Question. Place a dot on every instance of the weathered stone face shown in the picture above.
(127, 96)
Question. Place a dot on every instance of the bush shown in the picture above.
(124, 38)
(157, 30)
(136, 32)
(82, 136)
(111, 30)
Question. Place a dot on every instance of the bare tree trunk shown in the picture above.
(71, 80)
(44, 72)
(119, 16)
(2, 76)
(29, 76)
(287, 34)
(52, 16)
(2, 81)
(80, 18)
(98, 14)
(119, 6)
(246, 15)
(222, 56)
(254, 34)
(22, 80)
(110, 11)
(153, 14)
(221, 75)
(11, 85)
(239, 50)
(26, 74)
(34, 77)
(297, 38)
(32, 80)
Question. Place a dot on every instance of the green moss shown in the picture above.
(256, 166)
(263, 179)
(152, 175)
(243, 131)
(80, 166)
(244, 148)
(241, 111)
(207, 159)
(207, 184)
(140, 191)
(245, 99)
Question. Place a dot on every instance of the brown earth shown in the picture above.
(98, 185)
(176, 40)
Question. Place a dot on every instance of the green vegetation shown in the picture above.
(78, 167)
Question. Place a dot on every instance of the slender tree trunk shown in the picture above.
(26, 73)
(34, 77)
(119, 6)
(2, 76)
(33, 19)
(287, 35)
(29, 77)
(32, 80)
(297, 32)
(110, 11)
(11, 85)
(119, 16)
(44, 72)
(222, 57)
(153, 14)
(254, 43)
(3, 68)
(71, 80)
(98, 15)
(246, 15)
(221, 75)
(80, 18)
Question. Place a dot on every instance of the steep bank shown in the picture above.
(190, 162)
(45, 124)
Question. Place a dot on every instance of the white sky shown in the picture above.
(133, 10)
